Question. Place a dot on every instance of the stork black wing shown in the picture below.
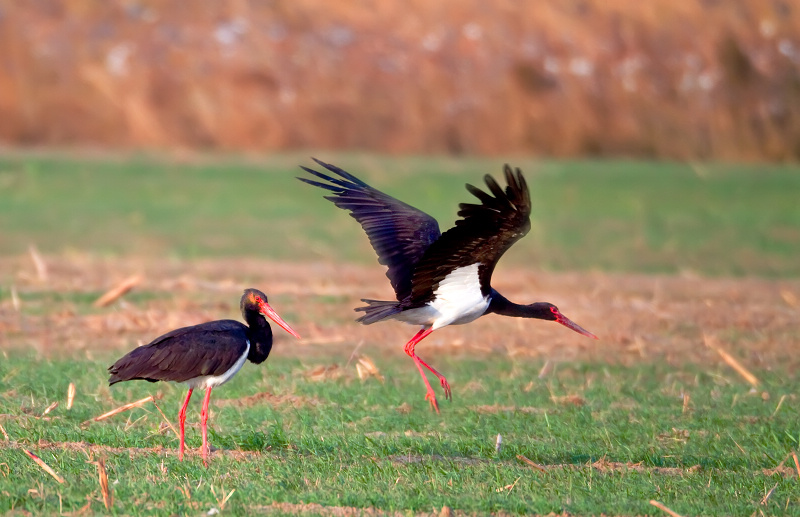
(484, 232)
(399, 233)
(207, 349)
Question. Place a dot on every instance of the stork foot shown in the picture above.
(448, 394)
(431, 397)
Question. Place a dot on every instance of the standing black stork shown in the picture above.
(205, 355)
(439, 278)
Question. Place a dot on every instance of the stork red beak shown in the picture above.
(560, 318)
(268, 311)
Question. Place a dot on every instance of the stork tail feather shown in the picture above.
(377, 310)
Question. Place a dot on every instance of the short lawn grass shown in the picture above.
(613, 215)
(609, 439)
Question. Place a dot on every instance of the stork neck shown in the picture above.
(504, 307)
(260, 335)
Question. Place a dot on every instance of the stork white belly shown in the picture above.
(212, 381)
(457, 300)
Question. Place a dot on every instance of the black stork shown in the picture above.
(439, 278)
(204, 356)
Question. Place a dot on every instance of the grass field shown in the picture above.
(610, 439)
(651, 257)
(618, 216)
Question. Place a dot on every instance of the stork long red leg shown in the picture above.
(445, 385)
(182, 422)
(409, 349)
(204, 425)
(430, 396)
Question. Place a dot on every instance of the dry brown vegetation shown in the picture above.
(638, 318)
(682, 79)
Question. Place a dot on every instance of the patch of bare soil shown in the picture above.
(348, 511)
(502, 409)
(336, 511)
(639, 318)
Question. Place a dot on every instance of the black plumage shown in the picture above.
(440, 278)
(205, 355)
(482, 235)
(410, 243)
(399, 233)
(186, 353)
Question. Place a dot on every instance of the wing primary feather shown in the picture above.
(482, 234)
(344, 184)
(341, 172)
(320, 185)
(398, 232)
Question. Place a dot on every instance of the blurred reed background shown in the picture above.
(667, 79)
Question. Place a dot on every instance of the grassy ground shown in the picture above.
(326, 437)
(621, 216)
(646, 413)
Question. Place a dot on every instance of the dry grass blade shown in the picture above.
(660, 506)
(227, 498)
(39, 263)
(15, 298)
(70, 395)
(769, 494)
(126, 407)
(323, 373)
(366, 368)
(789, 298)
(222, 502)
(122, 288)
(547, 368)
(780, 403)
(3, 430)
(510, 487)
(711, 342)
(167, 421)
(44, 466)
(50, 408)
(353, 353)
(685, 402)
(108, 500)
(794, 456)
(532, 463)
(737, 444)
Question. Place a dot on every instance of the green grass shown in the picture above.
(377, 445)
(620, 216)
(352, 447)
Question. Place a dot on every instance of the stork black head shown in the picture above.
(539, 310)
(548, 311)
(255, 302)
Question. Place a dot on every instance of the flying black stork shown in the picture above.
(204, 356)
(439, 278)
